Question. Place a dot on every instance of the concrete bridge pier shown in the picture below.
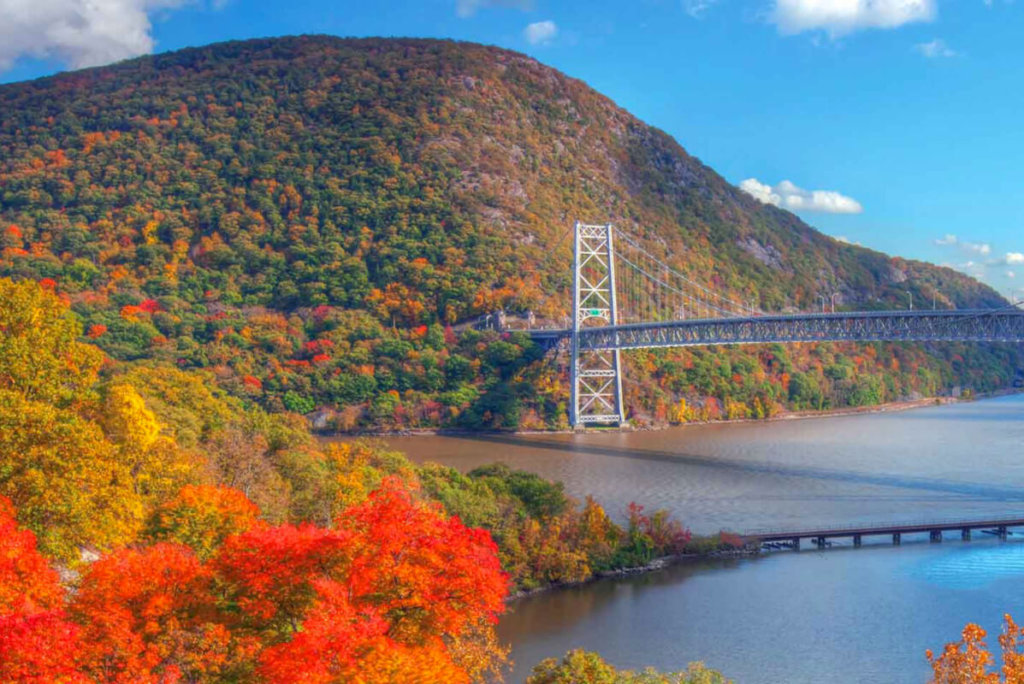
(895, 538)
(935, 536)
(1002, 532)
(856, 540)
(965, 534)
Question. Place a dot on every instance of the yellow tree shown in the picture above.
(157, 467)
(66, 479)
(41, 357)
(79, 471)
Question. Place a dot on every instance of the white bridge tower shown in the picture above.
(596, 375)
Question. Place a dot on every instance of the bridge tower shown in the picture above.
(596, 380)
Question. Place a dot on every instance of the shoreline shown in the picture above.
(656, 565)
(886, 407)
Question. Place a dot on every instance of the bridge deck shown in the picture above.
(869, 529)
(988, 325)
(995, 325)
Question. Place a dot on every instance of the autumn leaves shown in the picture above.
(395, 592)
(80, 461)
(191, 584)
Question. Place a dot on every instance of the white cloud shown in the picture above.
(760, 191)
(950, 240)
(840, 17)
(935, 49)
(540, 32)
(697, 8)
(80, 33)
(789, 196)
(847, 241)
(1014, 258)
(467, 8)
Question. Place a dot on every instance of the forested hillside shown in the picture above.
(313, 219)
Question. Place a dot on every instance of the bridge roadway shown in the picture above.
(996, 526)
(974, 325)
(988, 325)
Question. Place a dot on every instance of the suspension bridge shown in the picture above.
(625, 297)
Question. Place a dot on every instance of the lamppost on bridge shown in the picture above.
(833, 298)
(911, 296)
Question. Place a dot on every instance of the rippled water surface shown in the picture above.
(841, 615)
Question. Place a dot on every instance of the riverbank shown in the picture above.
(658, 564)
(886, 407)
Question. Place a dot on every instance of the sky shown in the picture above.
(895, 124)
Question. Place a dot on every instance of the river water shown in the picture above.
(839, 615)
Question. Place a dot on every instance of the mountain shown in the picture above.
(313, 219)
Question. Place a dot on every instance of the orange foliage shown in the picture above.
(147, 617)
(396, 592)
(37, 643)
(202, 517)
(27, 583)
(130, 312)
(967, 661)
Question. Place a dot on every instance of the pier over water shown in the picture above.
(822, 536)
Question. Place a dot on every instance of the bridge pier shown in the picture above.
(819, 542)
(796, 543)
(1002, 532)
(895, 538)
(856, 540)
(935, 536)
(965, 534)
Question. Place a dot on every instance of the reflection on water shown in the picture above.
(842, 615)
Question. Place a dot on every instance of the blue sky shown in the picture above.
(906, 115)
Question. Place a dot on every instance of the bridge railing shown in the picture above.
(1017, 521)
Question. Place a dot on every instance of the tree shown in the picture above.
(202, 517)
(37, 642)
(429, 574)
(65, 478)
(41, 357)
(967, 661)
(579, 667)
(394, 593)
(148, 615)
(79, 471)
(156, 464)
(27, 582)
(241, 459)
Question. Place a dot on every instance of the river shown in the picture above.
(840, 615)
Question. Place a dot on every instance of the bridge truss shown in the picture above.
(625, 297)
